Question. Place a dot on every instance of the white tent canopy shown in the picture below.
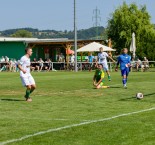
(93, 47)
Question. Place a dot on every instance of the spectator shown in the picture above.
(14, 65)
(41, 64)
(91, 58)
(34, 65)
(2, 59)
(145, 65)
(10, 65)
(133, 64)
(6, 59)
(59, 58)
(138, 64)
(48, 65)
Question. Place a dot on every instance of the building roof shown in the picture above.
(13, 39)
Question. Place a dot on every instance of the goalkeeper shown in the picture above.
(98, 79)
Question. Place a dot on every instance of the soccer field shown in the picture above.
(66, 110)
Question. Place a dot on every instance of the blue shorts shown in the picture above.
(125, 72)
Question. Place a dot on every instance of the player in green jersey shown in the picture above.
(98, 79)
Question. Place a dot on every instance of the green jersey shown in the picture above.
(99, 74)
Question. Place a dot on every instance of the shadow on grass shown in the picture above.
(133, 98)
(108, 88)
(15, 100)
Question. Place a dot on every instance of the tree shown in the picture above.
(22, 33)
(128, 19)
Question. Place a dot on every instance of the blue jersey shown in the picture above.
(91, 58)
(123, 60)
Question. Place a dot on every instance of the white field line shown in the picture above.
(73, 125)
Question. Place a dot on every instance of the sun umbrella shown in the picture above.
(133, 45)
(94, 47)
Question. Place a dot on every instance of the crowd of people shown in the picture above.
(11, 65)
(140, 65)
(7, 64)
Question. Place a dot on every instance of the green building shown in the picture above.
(42, 48)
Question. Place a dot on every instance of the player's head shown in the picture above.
(124, 50)
(28, 51)
(100, 66)
(101, 49)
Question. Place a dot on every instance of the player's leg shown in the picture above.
(26, 83)
(101, 86)
(124, 78)
(28, 92)
(106, 69)
(32, 83)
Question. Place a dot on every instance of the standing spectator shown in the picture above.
(91, 58)
(72, 60)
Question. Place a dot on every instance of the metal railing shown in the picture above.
(82, 66)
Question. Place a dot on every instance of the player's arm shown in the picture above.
(20, 67)
(117, 64)
(98, 82)
(129, 62)
(94, 79)
(111, 58)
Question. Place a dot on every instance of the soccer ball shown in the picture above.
(139, 96)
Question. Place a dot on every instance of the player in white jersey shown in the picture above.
(25, 75)
(102, 59)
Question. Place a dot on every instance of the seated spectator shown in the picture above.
(145, 65)
(10, 65)
(34, 65)
(14, 65)
(7, 63)
(2, 59)
(48, 65)
(41, 64)
(6, 59)
(138, 64)
(133, 64)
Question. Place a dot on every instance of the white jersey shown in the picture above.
(102, 56)
(25, 63)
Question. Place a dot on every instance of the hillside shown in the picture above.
(82, 34)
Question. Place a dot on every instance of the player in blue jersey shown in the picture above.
(125, 63)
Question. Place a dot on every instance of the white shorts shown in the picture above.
(105, 67)
(27, 80)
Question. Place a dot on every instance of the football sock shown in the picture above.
(124, 81)
(31, 91)
(109, 77)
(104, 87)
(27, 94)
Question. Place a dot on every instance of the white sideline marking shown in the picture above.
(73, 125)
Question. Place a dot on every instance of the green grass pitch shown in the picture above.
(66, 98)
